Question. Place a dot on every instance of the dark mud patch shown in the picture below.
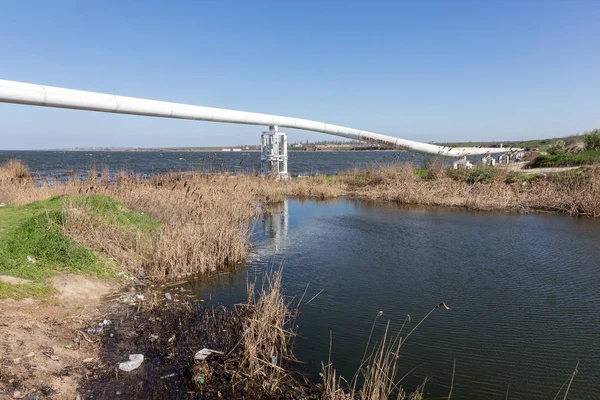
(169, 336)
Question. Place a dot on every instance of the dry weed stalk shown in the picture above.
(376, 377)
(267, 335)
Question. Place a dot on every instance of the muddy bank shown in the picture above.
(43, 352)
(169, 335)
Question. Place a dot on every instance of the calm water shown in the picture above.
(59, 164)
(524, 292)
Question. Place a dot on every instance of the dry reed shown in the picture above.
(205, 216)
(267, 336)
(376, 377)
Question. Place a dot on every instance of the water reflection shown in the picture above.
(275, 223)
(523, 289)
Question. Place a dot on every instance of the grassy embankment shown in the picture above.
(34, 241)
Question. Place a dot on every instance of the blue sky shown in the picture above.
(423, 70)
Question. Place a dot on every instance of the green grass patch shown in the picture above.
(421, 172)
(112, 212)
(13, 216)
(40, 237)
(519, 177)
(480, 174)
(566, 160)
(34, 231)
(330, 179)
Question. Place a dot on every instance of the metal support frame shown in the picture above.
(273, 152)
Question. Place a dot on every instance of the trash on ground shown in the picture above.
(135, 360)
(202, 354)
(31, 259)
(94, 330)
(168, 296)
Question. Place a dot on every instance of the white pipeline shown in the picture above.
(49, 96)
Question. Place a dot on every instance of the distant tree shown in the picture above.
(592, 140)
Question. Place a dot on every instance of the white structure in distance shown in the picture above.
(273, 152)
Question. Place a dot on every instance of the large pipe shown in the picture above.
(49, 96)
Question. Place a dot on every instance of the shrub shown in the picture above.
(480, 174)
(566, 160)
(592, 140)
(558, 147)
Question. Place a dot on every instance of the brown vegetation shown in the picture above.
(204, 218)
(267, 336)
(575, 192)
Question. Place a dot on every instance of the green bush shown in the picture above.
(592, 140)
(480, 174)
(566, 160)
(558, 147)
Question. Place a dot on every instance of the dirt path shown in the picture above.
(42, 353)
(521, 167)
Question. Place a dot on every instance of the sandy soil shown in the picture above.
(34, 362)
(520, 166)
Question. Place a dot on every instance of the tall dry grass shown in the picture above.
(205, 216)
(267, 336)
(132, 247)
(577, 194)
(377, 376)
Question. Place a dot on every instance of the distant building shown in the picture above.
(463, 163)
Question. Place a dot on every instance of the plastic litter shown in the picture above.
(135, 360)
(168, 296)
(31, 259)
(202, 354)
(94, 330)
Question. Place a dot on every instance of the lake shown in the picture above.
(62, 164)
(523, 291)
